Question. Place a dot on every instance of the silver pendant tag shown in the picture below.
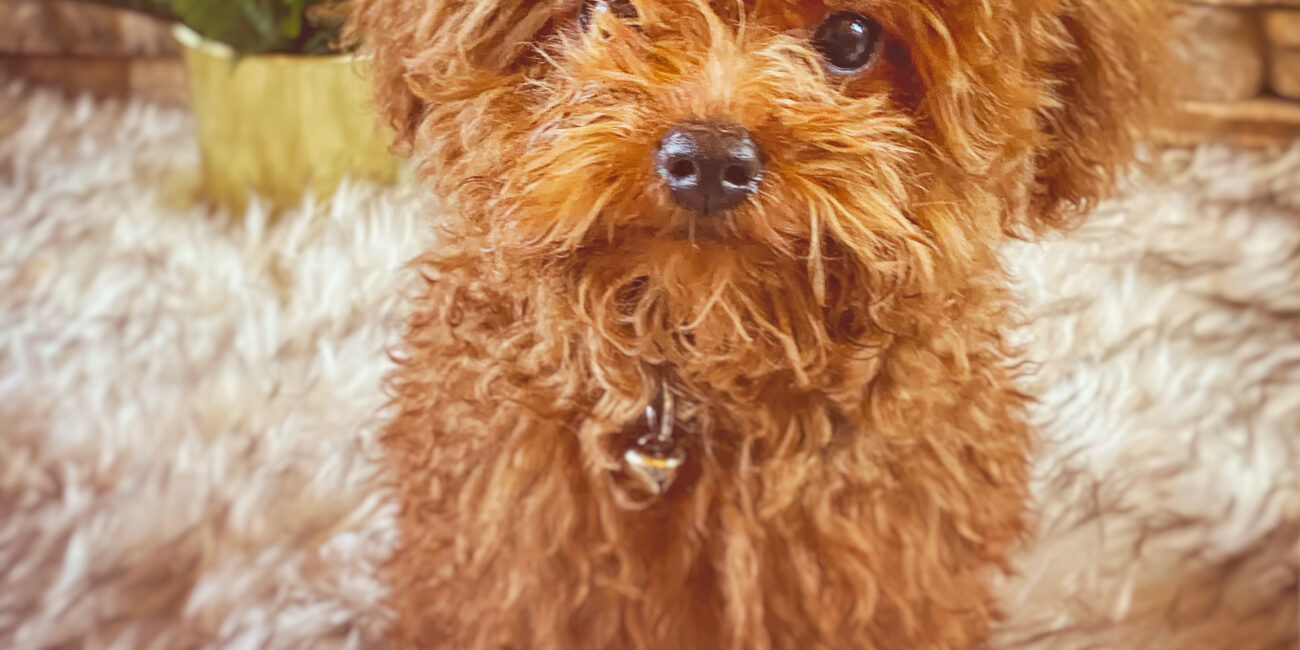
(656, 473)
(655, 457)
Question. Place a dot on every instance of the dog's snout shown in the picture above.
(709, 167)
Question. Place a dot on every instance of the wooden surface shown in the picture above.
(88, 48)
(1269, 118)
(1245, 3)
(1260, 122)
(1223, 50)
(1282, 27)
(158, 78)
(62, 28)
(1284, 73)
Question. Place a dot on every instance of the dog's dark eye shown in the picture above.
(848, 41)
(621, 8)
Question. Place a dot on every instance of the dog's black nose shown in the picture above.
(709, 166)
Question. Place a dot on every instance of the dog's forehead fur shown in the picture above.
(986, 84)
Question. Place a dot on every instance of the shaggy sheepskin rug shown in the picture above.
(189, 401)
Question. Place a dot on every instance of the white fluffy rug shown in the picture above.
(1167, 333)
(188, 402)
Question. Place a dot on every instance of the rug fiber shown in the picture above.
(189, 401)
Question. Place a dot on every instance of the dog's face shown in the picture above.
(834, 154)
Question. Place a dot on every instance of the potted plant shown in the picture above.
(279, 109)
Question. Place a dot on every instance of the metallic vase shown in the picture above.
(279, 125)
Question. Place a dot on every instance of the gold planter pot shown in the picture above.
(278, 125)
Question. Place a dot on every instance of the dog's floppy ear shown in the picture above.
(1103, 61)
(425, 53)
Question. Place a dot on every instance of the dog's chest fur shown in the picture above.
(817, 487)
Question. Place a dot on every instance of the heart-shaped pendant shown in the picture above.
(655, 472)
(655, 457)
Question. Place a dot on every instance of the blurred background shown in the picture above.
(203, 258)
(1239, 79)
(280, 109)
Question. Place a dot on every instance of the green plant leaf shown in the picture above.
(252, 26)
(291, 25)
(260, 14)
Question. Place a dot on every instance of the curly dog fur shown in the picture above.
(857, 455)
